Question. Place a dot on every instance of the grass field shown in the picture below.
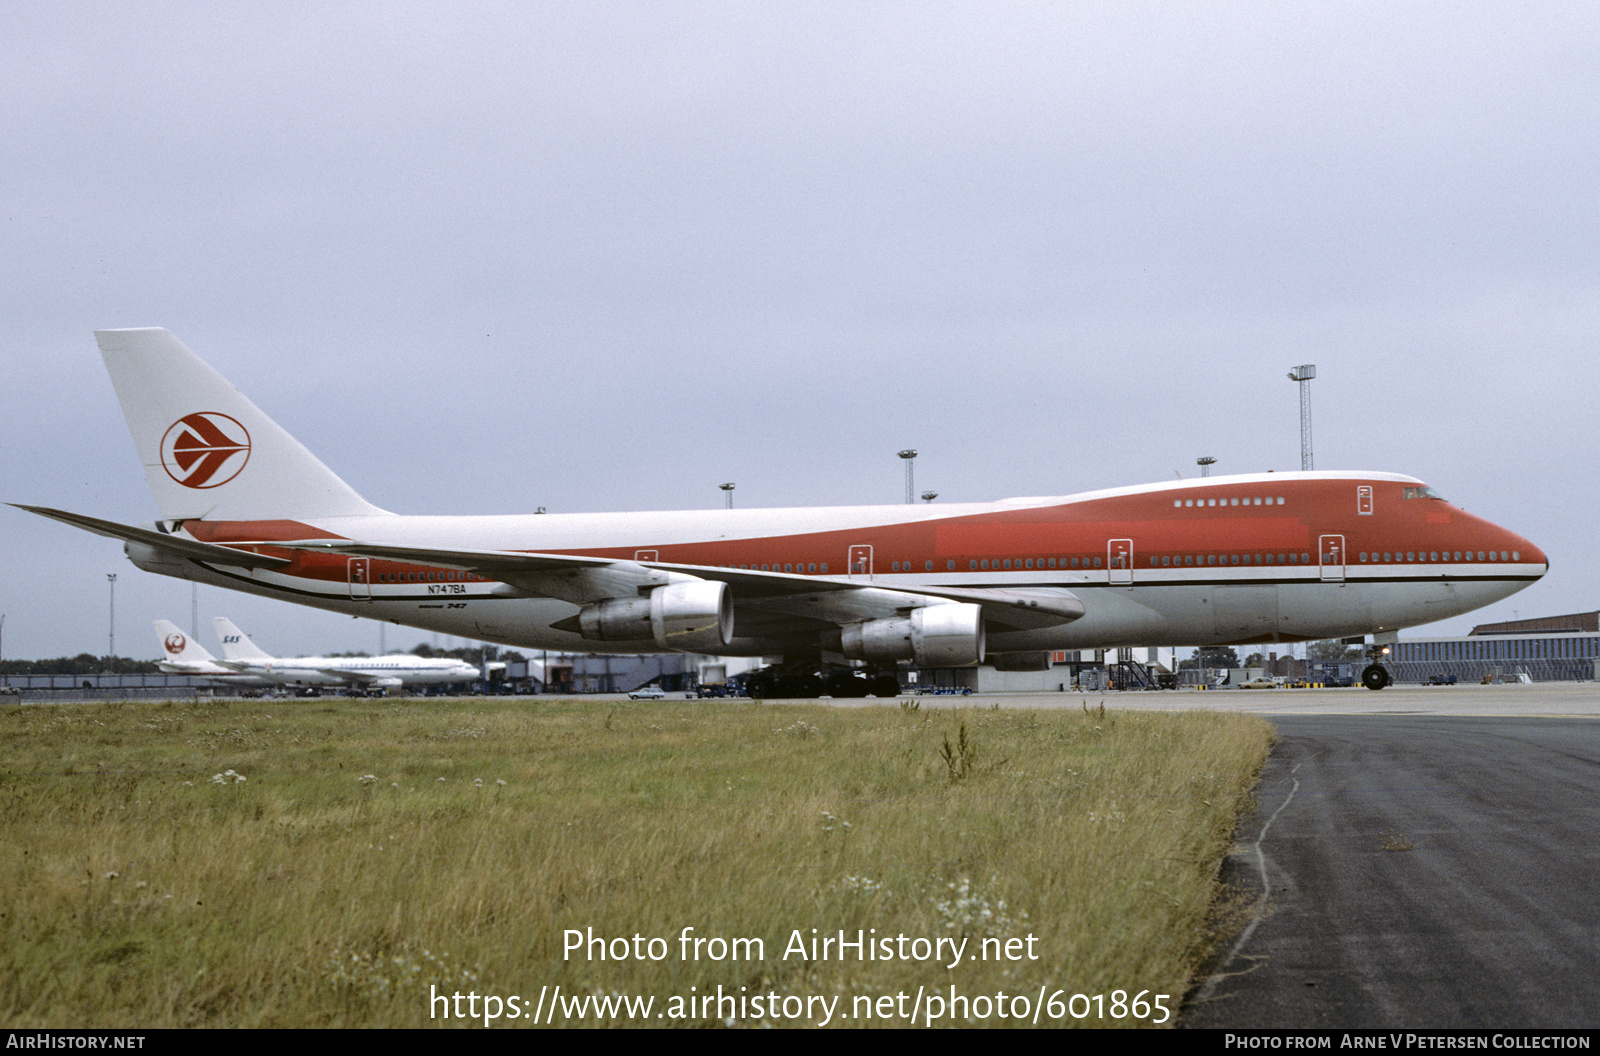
(352, 864)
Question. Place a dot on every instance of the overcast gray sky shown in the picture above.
(482, 258)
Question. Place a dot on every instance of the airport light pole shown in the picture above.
(929, 496)
(111, 648)
(727, 493)
(1303, 374)
(1205, 463)
(910, 455)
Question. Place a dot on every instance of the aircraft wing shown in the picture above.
(834, 600)
(360, 678)
(192, 549)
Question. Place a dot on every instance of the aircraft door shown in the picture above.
(860, 561)
(1119, 562)
(1364, 500)
(1331, 547)
(360, 583)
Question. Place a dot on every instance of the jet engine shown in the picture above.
(934, 636)
(695, 617)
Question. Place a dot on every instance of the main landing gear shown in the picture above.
(803, 683)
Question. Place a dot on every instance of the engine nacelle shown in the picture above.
(935, 636)
(695, 617)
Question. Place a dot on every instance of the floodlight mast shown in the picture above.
(1205, 463)
(1303, 374)
(910, 455)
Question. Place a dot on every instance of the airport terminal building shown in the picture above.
(1548, 649)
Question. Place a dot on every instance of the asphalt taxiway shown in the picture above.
(1419, 857)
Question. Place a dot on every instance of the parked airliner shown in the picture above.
(365, 672)
(1258, 558)
(185, 656)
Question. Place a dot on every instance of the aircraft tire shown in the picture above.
(800, 687)
(1375, 676)
(884, 686)
(844, 684)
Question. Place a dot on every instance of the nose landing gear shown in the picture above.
(1375, 676)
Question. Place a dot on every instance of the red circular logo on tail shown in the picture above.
(175, 643)
(205, 449)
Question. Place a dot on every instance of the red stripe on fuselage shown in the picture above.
(1082, 530)
(1156, 526)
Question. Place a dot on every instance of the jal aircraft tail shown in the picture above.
(207, 450)
(235, 646)
(179, 647)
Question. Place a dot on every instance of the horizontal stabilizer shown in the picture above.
(193, 549)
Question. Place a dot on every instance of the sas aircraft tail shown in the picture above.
(207, 450)
(235, 646)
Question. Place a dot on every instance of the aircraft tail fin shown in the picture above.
(179, 646)
(235, 646)
(207, 450)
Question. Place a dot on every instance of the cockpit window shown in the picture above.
(1423, 493)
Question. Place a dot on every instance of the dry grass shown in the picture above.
(376, 853)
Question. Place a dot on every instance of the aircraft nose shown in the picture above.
(1522, 551)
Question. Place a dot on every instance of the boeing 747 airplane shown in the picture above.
(1257, 558)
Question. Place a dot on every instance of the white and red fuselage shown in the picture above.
(1223, 560)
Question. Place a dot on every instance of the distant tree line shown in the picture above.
(472, 654)
(82, 664)
(1225, 656)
